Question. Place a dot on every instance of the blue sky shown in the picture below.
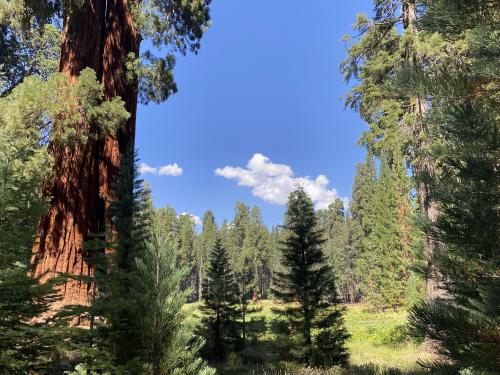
(265, 88)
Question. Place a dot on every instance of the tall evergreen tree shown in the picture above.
(119, 302)
(360, 206)
(167, 328)
(187, 256)
(220, 308)
(462, 86)
(254, 252)
(339, 250)
(104, 36)
(388, 42)
(205, 246)
(166, 217)
(306, 285)
(382, 266)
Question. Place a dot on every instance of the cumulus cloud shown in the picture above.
(196, 219)
(165, 170)
(274, 182)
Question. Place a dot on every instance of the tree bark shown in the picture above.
(121, 39)
(73, 211)
(98, 34)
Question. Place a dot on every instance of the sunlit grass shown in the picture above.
(377, 344)
(378, 339)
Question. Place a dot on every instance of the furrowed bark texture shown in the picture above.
(121, 38)
(98, 34)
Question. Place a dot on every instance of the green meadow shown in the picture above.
(378, 345)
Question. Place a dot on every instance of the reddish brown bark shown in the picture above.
(99, 35)
(73, 190)
(121, 38)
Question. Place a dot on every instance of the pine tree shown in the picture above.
(360, 206)
(187, 256)
(27, 342)
(462, 84)
(118, 306)
(29, 331)
(205, 246)
(339, 250)
(167, 328)
(389, 41)
(254, 252)
(220, 308)
(306, 286)
(382, 266)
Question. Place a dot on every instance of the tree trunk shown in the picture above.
(98, 34)
(121, 39)
(74, 210)
(424, 168)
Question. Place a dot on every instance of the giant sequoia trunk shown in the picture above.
(424, 167)
(121, 38)
(98, 34)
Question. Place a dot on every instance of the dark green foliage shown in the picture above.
(167, 327)
(119, 305)
(463, 89)
(186, 255)
(382, 266)
(381, 210)
(173, 26)
(250, 250)
(29, 41)
(339, 249)
(306, 283)
(205, 245)
(220, 308)
(26, 345)
(330, 341)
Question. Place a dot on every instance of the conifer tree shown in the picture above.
(254, 252)
(220, 308)
(205, 246)
(382, 266)
(187, 255)
(387, 42)
(104, 36)
(119, 302)
(26, 344)
(360, 206)
(167, 328)
(306, 286)
(462, 85)
(339, 250)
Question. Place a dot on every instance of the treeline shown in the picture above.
(425, 202)
(350, 246)
(251, 247)
(309, 329)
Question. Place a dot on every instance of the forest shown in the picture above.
(401, 278)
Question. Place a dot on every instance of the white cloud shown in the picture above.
(196, 219)
(274, 182)
(165, 170)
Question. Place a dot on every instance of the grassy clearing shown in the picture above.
(378, 345)
(379, 340)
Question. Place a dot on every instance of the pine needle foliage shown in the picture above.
(463, 87)
(306, 288)
(167, 328)
(220, 308)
